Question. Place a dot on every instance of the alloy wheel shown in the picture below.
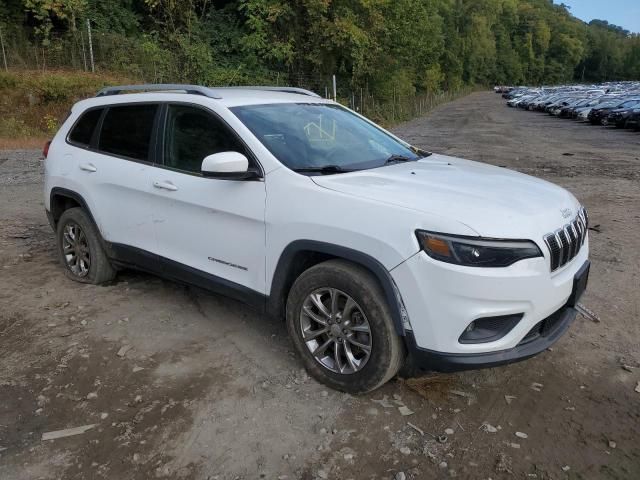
(335, 330)
(75, 248)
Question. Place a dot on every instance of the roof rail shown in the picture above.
(195, 89)
(300, 91)
(160, 87)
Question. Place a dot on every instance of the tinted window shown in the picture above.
(192, 134)
(83, 129)
(126, 131)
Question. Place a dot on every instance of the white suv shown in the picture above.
(378, 254)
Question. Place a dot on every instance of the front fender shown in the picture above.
(282, 280)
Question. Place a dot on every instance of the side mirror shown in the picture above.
(228, 166)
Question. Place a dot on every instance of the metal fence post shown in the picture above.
(93, 67)
(84, 52)
(335, 94)
(4, 55)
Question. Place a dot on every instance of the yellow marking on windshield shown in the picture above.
(320, 133)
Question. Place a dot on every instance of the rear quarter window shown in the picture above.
(126, 131)
(82, 131)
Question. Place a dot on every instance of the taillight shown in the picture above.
(45, 150)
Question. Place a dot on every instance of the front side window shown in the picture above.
(126, 131)
(309, 136)
(83, 129)
(191, 134)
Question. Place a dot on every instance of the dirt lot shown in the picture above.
(178, 383)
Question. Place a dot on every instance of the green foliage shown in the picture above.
(33, 104)
(383, 49)
(61, 88)
(11, 127)
(432, 44)
(53, 88)
(46, 11)
(51, 124)
(114, 16)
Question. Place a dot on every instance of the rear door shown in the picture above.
(209, 230)
(115, 173)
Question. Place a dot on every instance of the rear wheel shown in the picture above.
(341, 326)
(80, 249)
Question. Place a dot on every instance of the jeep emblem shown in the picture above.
(566, 212)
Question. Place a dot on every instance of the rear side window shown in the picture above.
(83, 129)
(126, 131)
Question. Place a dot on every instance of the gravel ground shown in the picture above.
(178, 383)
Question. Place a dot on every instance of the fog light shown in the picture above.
(489, 329)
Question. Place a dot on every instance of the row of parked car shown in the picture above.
(616, 104)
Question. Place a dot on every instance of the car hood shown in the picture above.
(492, 201)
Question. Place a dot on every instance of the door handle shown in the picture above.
(88, 167)
(165, 186)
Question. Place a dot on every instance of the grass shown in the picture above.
(33, 103)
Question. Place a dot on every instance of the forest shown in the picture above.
(391, 47)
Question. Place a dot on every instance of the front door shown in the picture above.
(207, 229)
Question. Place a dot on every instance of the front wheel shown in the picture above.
(341, 326)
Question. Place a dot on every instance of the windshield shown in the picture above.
(609, 104)
(312, 136)
(630, 103)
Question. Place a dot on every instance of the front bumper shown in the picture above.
(422, 360)
(442, 299)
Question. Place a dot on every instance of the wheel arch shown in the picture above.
(61, 199)
(300, 255)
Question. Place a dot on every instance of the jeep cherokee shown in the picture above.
(379, 255)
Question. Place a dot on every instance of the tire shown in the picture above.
(343, 280)
(76, 232)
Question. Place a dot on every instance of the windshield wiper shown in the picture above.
(325, 170)
(398, 158)
(421, 153)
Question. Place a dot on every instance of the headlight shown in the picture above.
(473, 252)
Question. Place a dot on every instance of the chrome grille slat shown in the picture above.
(565, 243)
(575, 241)
(567, 247)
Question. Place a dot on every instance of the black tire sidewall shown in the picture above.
(359, 284)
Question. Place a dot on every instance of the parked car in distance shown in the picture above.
(378, 255)
(634, 119)
(620, 116)
(600, 115)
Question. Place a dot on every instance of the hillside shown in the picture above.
(406, 45)
(392, 59)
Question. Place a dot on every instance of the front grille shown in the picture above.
(564, 244)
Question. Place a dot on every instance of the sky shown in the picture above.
(625, 13)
